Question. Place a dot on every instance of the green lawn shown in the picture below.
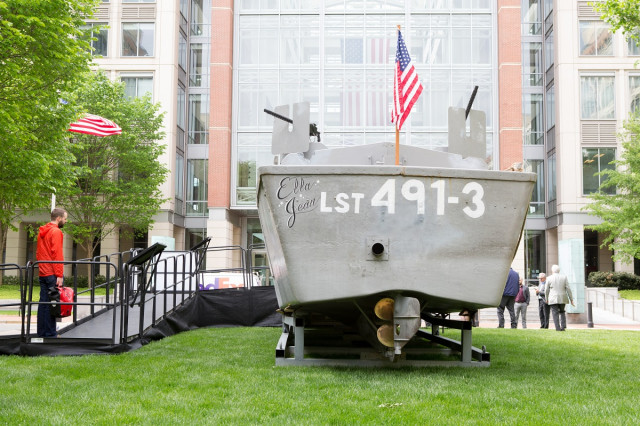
(13, 292)
(227, 376)
(629, 294)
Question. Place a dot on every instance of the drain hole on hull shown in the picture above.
(377, 249)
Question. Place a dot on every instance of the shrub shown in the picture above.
(621, 280)
(10, 280)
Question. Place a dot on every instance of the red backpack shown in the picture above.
(66, 295)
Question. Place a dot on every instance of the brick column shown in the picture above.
(509, 82)
(221, 84)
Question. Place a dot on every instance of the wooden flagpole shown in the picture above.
(397, 146)
(397, 131)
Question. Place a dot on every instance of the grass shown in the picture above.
(13, 292)
(7, 312)
(629, 294)
(10, 291)
(227, 376)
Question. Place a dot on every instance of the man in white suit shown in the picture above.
(558, 294)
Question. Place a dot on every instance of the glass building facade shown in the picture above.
(339, 56)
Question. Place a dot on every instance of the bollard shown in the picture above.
(589, 315)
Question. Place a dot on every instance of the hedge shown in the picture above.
(621, 280)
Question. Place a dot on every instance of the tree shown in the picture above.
(621, 14)
(116, 178)
(620, 212)
(42, 53)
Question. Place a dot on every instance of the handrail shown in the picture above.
(9, 267)
(603, 300)
(29, 303)
(174, 277)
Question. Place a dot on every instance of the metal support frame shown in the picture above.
(291, 348)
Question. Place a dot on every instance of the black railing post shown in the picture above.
(589, 315)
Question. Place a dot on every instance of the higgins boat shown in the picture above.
(353, 237)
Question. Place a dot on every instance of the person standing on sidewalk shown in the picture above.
(50, 249)
(543, 308)
(508, 299)
(558, 293)
(522, 303)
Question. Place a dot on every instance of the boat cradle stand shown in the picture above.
(334, 345)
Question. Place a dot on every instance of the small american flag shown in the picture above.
(95, 125)
(406, 86)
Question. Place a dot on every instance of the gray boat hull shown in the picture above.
(342, 234)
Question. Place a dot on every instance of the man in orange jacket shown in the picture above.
(50, 249)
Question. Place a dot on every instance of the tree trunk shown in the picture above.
(88, 269)
(4, 230)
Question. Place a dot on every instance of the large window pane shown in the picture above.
(595, 39)
(268, 45)
(101, 36)
(181, 108)
(193, 236)
(138, 39)
(549, 47)
(179, 177)
(535, 254)
(634, 93)
(182, 52)
(532, 64)
(531, 17)
(302, 85)
(548, 8)
(377, 106)
(378, 47)
(481, 46)
(597, 98)
(595, 160)
(633, 47)
(439, 96)
(551, 172)
(197, 185)
(532, 114)
(199, 64)
(536, 206)
(138, 86)
(184, 8)
(461, 46)
(551, 107)
(201, 18)
(253, 151)
(299, 40)
(198, 119)
(435, 49)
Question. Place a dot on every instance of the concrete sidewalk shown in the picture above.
(602, 320)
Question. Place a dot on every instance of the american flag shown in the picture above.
(95, 125)
(406, 86)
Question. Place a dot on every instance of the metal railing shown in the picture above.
(110, 301)
(612, 303)
(146, 280)
(15, 305)
(123, 285)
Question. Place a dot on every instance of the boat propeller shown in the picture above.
(402, 321)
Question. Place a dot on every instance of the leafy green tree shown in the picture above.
(621, 14)
(116, 178)
(620, 212)
(43, 52)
